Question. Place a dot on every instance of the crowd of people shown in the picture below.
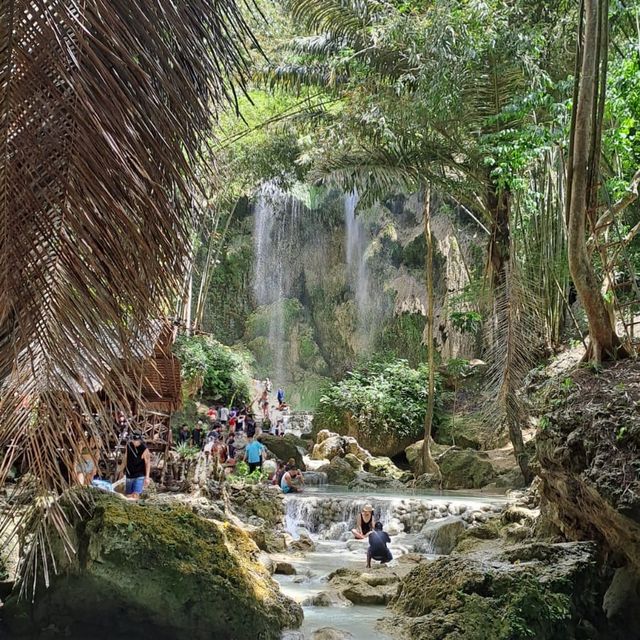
(227, 435)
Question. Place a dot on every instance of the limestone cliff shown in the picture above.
(589, 453)
(333, 285)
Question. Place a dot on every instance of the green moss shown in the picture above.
(465, 600)
(464, 430)
(401, 336)
(167, 572)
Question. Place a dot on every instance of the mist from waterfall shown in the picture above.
(276, 221)
(357, 271)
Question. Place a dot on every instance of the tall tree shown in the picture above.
(584, 176)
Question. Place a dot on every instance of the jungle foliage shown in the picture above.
(383, 397)
(214, 371)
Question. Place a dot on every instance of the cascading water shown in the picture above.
(318, 514)
(357, 270)
(426, 524)
(276, 220)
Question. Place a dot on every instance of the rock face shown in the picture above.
(339, 471)
(542, 591)
(161, 573)
(285, 447)
(588, 449)
(465, 469)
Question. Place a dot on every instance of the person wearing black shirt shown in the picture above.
(137, 466)
(197, 436)
(378, 550)
(183, 434)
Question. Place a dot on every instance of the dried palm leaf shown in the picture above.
(514, 331)
(103, 107)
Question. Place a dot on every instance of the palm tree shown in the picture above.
(103, 107)
(459, 105)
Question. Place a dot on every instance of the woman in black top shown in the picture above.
(137, 465)
(364, 523)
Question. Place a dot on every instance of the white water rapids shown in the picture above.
(416, 523)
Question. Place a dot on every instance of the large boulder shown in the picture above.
(365, 481)
(384, 467)
(372, 587)
(339, 471)
(285, 447)
(465, 469)
(165, 573)
(262, 501)
(328, 448)
(542, 591)
(440, 536)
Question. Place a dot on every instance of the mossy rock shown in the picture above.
(465, 469)
(285, 447)
(264, 502)
(466, 431)
(161, 573)
(339, 471)
(542, 591)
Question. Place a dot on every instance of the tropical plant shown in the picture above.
(103, 107)
(222, 374)
(241, 474)
(385, 399)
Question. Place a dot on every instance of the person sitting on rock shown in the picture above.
(364, 523)
(378, 550)
(292, 481)
(280, 471)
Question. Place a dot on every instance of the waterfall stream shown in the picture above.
(357, 271)
(424, 523)
(276, 219)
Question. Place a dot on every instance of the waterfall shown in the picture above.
(358, 274)
(330, 516)
(276, 219)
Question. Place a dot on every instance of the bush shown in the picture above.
(384, 398)
(222, 373)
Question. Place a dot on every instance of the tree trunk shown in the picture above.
(604, 342)
(498, 203)
(506, 320)
(429, 465)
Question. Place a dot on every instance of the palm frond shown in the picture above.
(294, 77)
(375, 173)
(341, 18)
(102, 109)
(322, 44)
(513, 334)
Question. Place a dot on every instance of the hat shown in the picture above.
(136, 435)
(368, 508)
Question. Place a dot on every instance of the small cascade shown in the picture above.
(317, 514)
(315, 478)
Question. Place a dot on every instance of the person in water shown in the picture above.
(364, 523)
(292, 481)
(378, 550)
